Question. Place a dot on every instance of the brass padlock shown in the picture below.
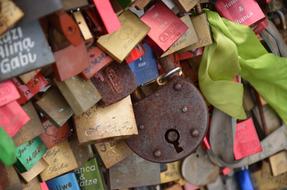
(114, 82)
(25, 78)
(120, 43)
(134, 172)
(187, 39)
(31, 129)
(178, 113)
(80, 94)
(10, 16)
(202, 29)
(55, 107)
(186, 5)
(112, 152)
(31, 174)
(60, 159)
(171, 172)
(103, 123)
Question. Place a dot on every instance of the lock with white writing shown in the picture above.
(67, 181)
(172, 121)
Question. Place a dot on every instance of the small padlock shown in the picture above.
(10, 16)
(145, 68)
(29, 153)
(97, 61)
(55, 107)
(103, 123)
(114, 82)
(31, 129)
(60, 159)
(24, 48)
(187, 39)
(80, 94)
(170, 173)
(178, 113)
(134, 172)
(25, 78)
(120, 43)
(31, 174)
(166, 27)
(8, 93)
(202, 29)
(67, 181)
(112, 152)
(186, 5)
(89, 176)
(245, 12)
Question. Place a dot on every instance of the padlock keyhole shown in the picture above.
(172, 136)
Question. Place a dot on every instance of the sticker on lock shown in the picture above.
(172, 122)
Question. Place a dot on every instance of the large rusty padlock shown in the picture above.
(172, 121)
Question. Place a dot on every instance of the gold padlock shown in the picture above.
(186, 5)
(85, 31)
(103, 123)
(172, 172)
(39, 167)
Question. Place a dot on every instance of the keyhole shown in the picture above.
(172, 137)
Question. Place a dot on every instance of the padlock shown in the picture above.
(60, 159)
(145, 68)
(68, 45)
(186, 5)
(102, 123)
(245, 12)
(10, 16)
(85, 31)
(97, 60)
(166, 27)
(202, 29)
(120, 43)
(180, 125)
(8, 93)
(80, 94)
(74, 4)
(25, 78)
(55, 107)
(29, 90)
(14, 180)
(31, 174)
(171, 172)
(54, 135)
(23, 48)
(186, 40)
(93, 21)
(12, 118)
(31, 129)
(112, 152)
(33, 9)
(89, 176)
(67, 181)
(198, 169)
(34, 184)
(134, 172)
(114, 82)
(29, 153)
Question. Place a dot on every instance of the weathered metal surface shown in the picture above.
(74, 4)
(171, 172)
(114, 82)
(172, 122)
(198, 169)
(26, 50)
(55, 107)
(134, 172)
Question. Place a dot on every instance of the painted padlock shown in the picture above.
(172, 121)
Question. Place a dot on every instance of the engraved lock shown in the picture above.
(60, 159)
(180, 124)
(245, 12)
(165, 27)
(134, 172)
(114, 82)
(80, 94)
(120, 43)
(26, 49)
(202, 29)
(67, 181)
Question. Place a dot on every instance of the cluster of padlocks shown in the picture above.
(143, 94)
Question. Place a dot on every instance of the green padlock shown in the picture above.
(7, 149)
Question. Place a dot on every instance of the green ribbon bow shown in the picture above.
(237, 51)
(7, 149)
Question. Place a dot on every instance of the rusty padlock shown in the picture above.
(114, 82)
(172, 121)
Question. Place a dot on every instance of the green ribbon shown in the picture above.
(237, 51)
(7, 149)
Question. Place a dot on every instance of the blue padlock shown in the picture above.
(64, 182)
(244, 180)
(145, 68)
